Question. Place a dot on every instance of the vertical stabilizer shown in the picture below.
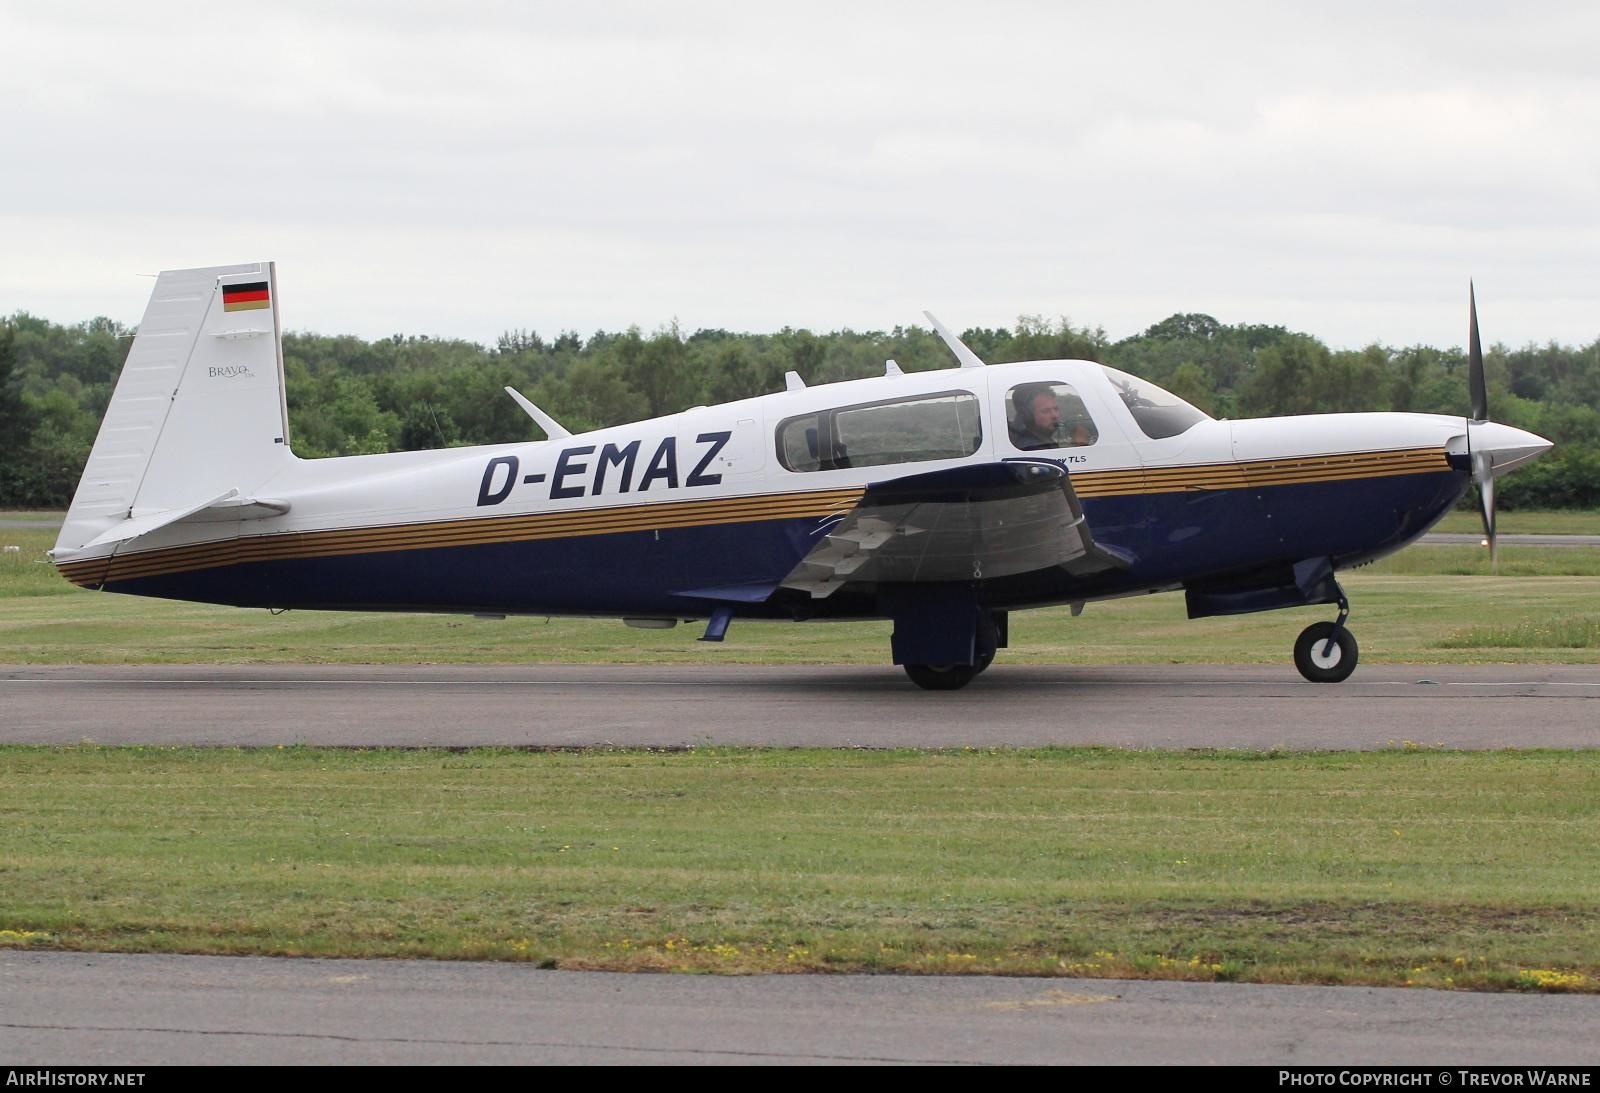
(198, 410)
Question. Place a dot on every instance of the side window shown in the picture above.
(1048, 415)
(799, 443)
(942, 426)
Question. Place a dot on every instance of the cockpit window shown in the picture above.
(1048, 415)
(941, 426)
(1159, 413)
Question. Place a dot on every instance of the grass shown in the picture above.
(1525, 522)
(1425, 560)
(1555, 633)
(1425, 605)
(1401, 867)
(26, 571)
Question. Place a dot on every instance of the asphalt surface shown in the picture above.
(607, 705)
(1453, 538)
(136, 1010)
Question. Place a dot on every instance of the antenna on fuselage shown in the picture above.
(892, 368)
(553, 429)
(793, 382)
(967, 357)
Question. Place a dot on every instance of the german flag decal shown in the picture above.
(250, 296)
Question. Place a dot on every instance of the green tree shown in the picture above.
(1038, 339)
(1286, 378)
(15, 427)
(17, 487)
(592, 395)
(1191, 383)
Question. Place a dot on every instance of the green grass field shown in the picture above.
(1408, 866)
(1528, 522)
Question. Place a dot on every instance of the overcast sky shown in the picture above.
(462, 169)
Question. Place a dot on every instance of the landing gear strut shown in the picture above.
(944, 640)
(1325, 652)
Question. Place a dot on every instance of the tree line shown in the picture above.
(349, 396)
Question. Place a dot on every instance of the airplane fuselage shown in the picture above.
(635, 520)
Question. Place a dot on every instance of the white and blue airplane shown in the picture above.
(942, 500)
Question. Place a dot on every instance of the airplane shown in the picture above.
(942, 501)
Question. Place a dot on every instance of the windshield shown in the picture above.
(1159, 412)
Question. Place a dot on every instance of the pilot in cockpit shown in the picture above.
(1036, 415)
(1036, 420)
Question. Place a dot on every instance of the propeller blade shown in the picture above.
(1486, 510)
(1482, 461)
(1475, 384)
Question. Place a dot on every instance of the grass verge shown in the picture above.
(1410, 866)
(1525, 521)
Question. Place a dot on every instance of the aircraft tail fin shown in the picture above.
(198, 414)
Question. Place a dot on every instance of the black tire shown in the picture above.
(1318, 663)
(984, 660)
(942, 677)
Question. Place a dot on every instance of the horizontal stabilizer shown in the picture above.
(135, 526)
(227, 506)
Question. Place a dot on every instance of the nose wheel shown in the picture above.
(1325, 652)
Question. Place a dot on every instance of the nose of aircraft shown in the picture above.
(1504, 448)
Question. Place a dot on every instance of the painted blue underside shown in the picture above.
(1170, 537)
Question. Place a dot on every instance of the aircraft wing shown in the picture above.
(970, 523)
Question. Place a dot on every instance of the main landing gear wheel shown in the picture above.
(1322, 660)
(943, 677)
(948, 677)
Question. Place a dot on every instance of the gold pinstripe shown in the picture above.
(1259, 473)
(469, 532)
